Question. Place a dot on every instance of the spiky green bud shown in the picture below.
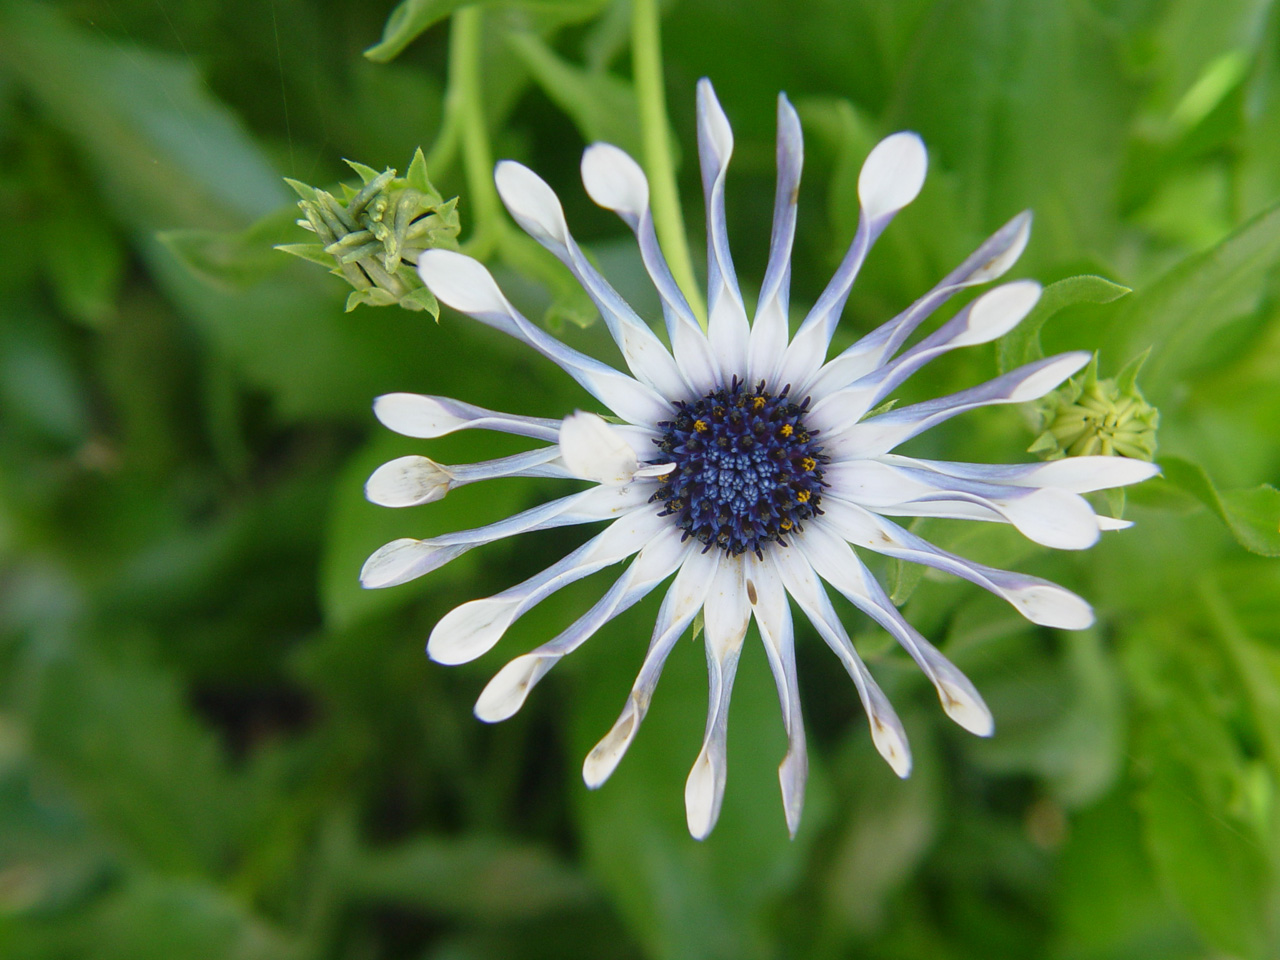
(1087, 416)
(373, 235)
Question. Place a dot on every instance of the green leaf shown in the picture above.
(1252, 516)
(477, 878)
(235, 260)
(1022, 344)
(410, 18)
(601, 106)
(124, 739)
(161, 920)
(1214, 867)
(1179, 314)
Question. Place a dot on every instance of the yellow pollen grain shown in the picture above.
(785, 524)
(700, 426)
(803, 496)
(757, 403)
(808, 464)
(786, 430)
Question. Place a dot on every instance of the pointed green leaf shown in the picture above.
(1253, 515)
(1022, 344)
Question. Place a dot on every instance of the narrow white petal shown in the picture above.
(802, 583)
(892, 174)
(1049, 516)
(536, 208)
(727, 327)
(412, 481)
(880, 434)
(424, 417)
(1040, 601)
(988, 262)
(835, 562)
(616, 182)
(471, 630)
(466, 285)
(682, 602)
(506, 692)
(593, 450)
(1073, 474)
(727, 612)
(773, 617)
(1111, 523)
(769, 328)
(403, 560)
(990, 316)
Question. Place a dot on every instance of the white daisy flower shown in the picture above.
(746, 463)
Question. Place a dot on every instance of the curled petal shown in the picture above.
(593, 450)
(1047, 515)
(891, 178)
(769, 329)
(772, 613)
(992, 315)
(1073, 474)
(536, 208)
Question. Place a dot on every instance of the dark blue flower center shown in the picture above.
(747, 471)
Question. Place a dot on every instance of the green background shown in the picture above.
(213, 744)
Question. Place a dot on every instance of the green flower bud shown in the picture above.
(1088, 416)
(373, 235)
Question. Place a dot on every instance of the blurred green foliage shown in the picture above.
(213, 745)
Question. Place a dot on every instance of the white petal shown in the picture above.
(1040, 601)
(1073, 474)
(802, 583)
(614, 180)
(727, 327)
(407, 482)
(835, 562)
(682, 602)
(769, 328)
(727, 612)
(592, 450)
(773, 616)
(424, 417)
(892, 174)
(531, 202)
(461, 282)
(988, 262)
(506, 692)
(472, 629)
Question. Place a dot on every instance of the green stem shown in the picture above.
(477, 154)
(646, 60)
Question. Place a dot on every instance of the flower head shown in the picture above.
(747, 464)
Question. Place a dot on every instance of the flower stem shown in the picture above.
(646, 59)
(477, 154)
